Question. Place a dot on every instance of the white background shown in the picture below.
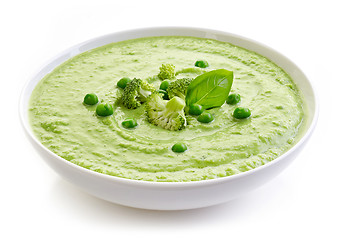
(301, 203)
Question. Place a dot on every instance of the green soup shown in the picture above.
(221, 148)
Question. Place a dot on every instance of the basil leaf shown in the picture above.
(210, 89)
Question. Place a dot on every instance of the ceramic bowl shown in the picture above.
(171, 195)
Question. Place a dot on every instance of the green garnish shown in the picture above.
(179, 147)
(210, 89)
(104, 109)
(178, 88)
(195, 109)
(164, 85)
(167, 71)
(122, 83)
(233, 99)
(205, 117)
(166, 114)
(165, 94)
(91, 99)
(136, 92)
(129, 123)
(241, 113)
(201, 64)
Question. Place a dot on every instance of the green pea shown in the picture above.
(241, 113)
(165, 94)
(201, 64)
(104, 109)
(129, 123)
(205, 117)
(233, 99)
(91, 99)
(164, 85)
(195, 109)
(122, 83)
(179, 147)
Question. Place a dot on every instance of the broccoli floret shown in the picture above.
(178, 88)
(136, 92)
(168, 114)
(167, 71)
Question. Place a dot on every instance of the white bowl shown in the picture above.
(171, 195)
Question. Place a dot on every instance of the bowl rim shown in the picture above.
(25, 124)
